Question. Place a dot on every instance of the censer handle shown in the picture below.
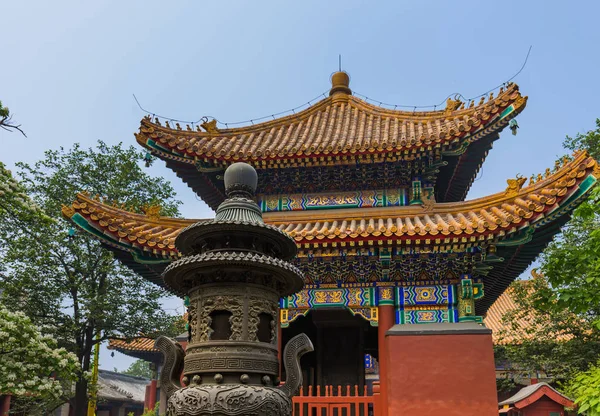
(294, 350)
(173, 364)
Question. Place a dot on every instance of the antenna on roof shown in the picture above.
(340, 61)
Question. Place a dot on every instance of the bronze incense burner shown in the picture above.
(234, 270)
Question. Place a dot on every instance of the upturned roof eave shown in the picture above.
(218, 148)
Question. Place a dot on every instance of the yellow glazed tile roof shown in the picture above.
(136, 344)
(339, 125)
(493, 216)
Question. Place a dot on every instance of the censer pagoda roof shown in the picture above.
(519, 222)
(340, 129)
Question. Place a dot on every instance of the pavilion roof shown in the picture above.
(340, 129)
(520, 221)
(118, 387)
(141, 347)
(530, 394)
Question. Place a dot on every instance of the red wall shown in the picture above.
(543, 407)
(441, 375)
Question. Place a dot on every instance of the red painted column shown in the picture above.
(152, 398)
(5, 405)
(386, 312)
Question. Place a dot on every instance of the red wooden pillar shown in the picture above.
(5, 405)
(152, 395)
(386, 313)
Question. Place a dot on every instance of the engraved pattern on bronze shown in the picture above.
(256, 306)
(226, 303)
(229, 400)
(193, 319)
(194, 364)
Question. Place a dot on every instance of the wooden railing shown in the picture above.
(340, 401)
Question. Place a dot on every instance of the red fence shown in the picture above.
(337, 401)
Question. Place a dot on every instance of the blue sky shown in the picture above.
(69, 68)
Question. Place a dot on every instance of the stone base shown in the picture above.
(441, 370)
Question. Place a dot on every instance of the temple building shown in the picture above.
(375, 200)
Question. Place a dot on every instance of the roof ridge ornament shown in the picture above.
(340, 83)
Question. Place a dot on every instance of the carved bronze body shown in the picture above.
(234, 269)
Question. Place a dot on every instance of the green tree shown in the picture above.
(552, 341)
(562, 337)
(27, 360)
(139, 368)
(571, 263)
(585, 387)
(68, 283)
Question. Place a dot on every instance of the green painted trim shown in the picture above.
(471, 319)
(459, 151)
(584, 187)
(149, 260)
(136, 253)
(525, 238)
(507, 111)
(81, 222)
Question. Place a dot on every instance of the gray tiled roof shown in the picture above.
(121, 387)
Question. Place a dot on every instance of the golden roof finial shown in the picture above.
(68, 210)
(452, 104)
(482, 100)
(210, 126)
(532, 180)
(514, 186)
(340, 83)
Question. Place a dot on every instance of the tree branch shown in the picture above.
(5, 123)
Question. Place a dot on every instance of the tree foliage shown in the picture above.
(572, 262)
(70, 284)
(139, 368)
(32, 367)
(539, 340)
(16, 208)
(585, 387)
(562, 309)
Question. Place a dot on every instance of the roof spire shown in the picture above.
(340, 82)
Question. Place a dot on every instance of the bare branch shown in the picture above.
(7, 125)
